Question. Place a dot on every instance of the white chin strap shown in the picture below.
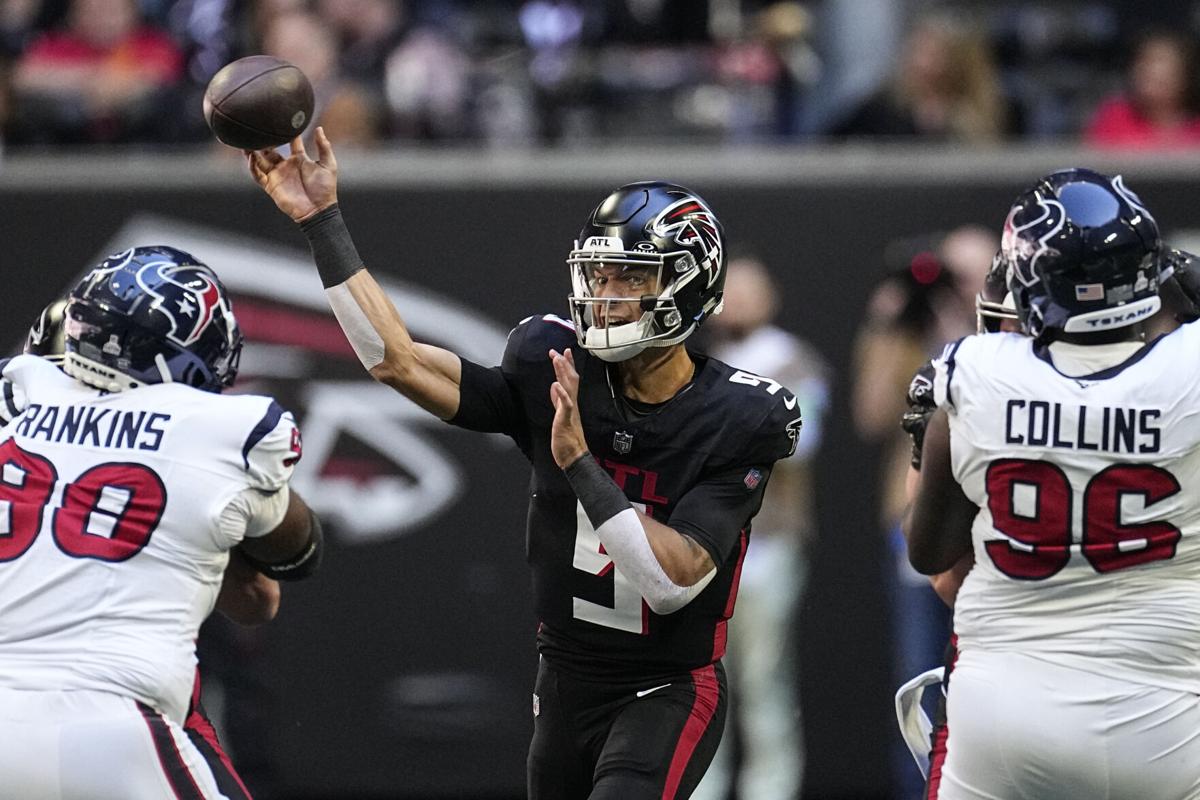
(618, 343)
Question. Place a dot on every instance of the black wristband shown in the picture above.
(598, 493)
(303, 564)
(332, 248)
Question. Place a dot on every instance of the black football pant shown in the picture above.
(602, 741)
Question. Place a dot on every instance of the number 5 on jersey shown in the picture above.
(628, 611)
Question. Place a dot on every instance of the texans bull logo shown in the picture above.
(1023, 243)
(197, 300)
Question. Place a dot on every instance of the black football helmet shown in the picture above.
(1081, 253)
(151, 315)
(46, 337)
(652, 225)
(994, 302)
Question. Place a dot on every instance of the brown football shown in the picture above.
(258, 102)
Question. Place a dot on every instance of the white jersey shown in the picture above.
(1087, 540)
(112, 546)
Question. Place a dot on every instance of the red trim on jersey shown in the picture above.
(703, 707)
(179, 777)
(937, 758)
(721, 633)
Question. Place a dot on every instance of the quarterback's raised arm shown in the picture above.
(306, 190)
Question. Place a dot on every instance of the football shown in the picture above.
(258, 102)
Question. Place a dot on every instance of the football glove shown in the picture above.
(920, 407)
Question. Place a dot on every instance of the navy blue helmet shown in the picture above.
(1081, 252)
(660, 227)
(152, 315)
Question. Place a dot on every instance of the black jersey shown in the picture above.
(698, 463)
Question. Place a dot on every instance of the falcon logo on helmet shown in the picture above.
(691, 224)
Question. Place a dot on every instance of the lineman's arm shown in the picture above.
(306, 190)
(292, 550)
(937, 523)
(945, 584)
(247, 596)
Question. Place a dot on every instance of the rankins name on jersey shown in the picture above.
(88, 425)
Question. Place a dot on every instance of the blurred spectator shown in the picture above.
(102, 78)
(1161, 106)
(427, 82)
(760, 75)
(17, 20)
(926, 299)
(347, 113)
(368, 31)
(763, 652)
(657, 21)
(945, 88)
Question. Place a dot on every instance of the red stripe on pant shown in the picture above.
(183, 785)
(937, 759)
(703, 707)
(200, 730)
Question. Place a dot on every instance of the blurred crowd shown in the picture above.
(1118, 73)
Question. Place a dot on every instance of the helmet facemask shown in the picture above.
(660, 323)
(994, 303)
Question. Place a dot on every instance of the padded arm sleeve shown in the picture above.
(620, 530)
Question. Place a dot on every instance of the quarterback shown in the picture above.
(648, 464)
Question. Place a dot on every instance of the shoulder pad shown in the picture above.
(271, 446)
(12, 402)
(35, 377)
(770, 410)
(535, 336)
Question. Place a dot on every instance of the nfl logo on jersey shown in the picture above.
(752, 479)
(622, 442)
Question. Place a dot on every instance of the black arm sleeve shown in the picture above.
(487, 402)
(716, 510)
